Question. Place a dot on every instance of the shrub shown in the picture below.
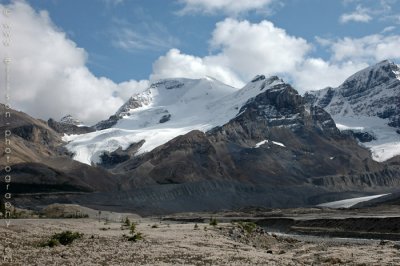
(132, 228)
(196, 227)
(135, 237)
(154, 226)
(127, 222)
(213, 222)
(63, 238)
(248, 227)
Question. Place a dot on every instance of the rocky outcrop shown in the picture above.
(68, 128)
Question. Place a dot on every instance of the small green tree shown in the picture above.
(127, 222)
(213, 222)
(132, 229)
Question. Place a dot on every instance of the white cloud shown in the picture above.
(230, 7)
(48, 75)
(253, 48)
(243, 51)
(176, 65)
(316, 73)
(143, 36)
(370, 48)
(388, 29)
(361, 14)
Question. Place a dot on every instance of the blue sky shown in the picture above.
(111, 48)
(95, 25)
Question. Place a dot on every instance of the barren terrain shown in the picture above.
(169, 243)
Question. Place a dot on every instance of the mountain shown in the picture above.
(168, 108)
(368, 104)
(41, 164)
(201, 145)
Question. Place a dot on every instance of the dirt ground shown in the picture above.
(178, 244)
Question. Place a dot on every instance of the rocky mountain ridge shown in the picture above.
(189, 145)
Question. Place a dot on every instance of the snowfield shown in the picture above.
(347, 203)
(387, 143)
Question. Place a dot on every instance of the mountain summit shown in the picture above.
(168, 108)
(367, 102)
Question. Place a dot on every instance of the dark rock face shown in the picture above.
(111, 159)
(169, 84)
(361, 136)
(110, 122)
(165, 118)
(68, 128)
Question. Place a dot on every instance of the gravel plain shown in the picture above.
(168, 243)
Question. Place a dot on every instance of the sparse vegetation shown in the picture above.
(248, 227)
(196, 227)
(213, 221)
(63, 238)
(136, 237)
(132, 228)
(127, 222)
(154, 226)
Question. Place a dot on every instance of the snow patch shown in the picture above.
(260, 143)
(266, 141)
(347, 203)
(279, 144)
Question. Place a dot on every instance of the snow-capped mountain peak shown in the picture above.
(168, 108)
(384, 73)
(369, 99)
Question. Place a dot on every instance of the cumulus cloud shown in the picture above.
(250, 48)
(316, 73)
(243, 50)
(175, 65)
(48, 73)
(230, 7)
(361, 14)
(370, 48)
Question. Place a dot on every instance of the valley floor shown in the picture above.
(169, 243)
